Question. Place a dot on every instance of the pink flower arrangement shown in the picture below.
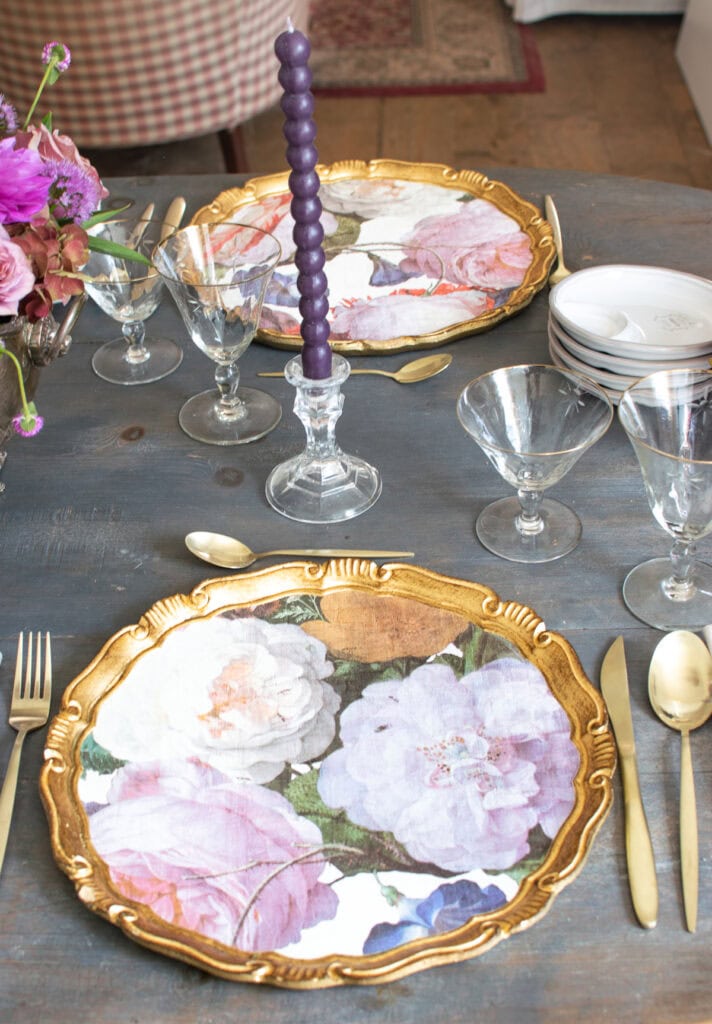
(49, 195)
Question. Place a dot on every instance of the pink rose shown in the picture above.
(56, 147)
(16, 277)
(479, 245)
(231, 861)
(403, 314)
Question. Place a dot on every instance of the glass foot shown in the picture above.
(110, 362)
(496, 528)
(645, 596)
(201, 417)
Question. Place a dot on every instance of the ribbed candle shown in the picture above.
(293, 50)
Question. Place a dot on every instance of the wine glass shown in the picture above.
(218, 275)
(668, 419)
(129, 291)
(533, 422)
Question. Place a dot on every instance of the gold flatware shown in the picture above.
(561, 270)
(173, 216)
(141, 224)
(29, 709)
(680, 691)
(638, 846)
(410, 373)
(230, 553)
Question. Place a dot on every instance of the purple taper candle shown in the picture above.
(293, 49)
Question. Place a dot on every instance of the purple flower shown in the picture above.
(24, 187)
(74, 193)
(60, 51)
(459, 770)
(8, 116)
(448, 907)
(28, 423)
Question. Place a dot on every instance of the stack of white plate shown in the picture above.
(618, 323)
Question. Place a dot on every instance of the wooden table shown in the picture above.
(91, 535)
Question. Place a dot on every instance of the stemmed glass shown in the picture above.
(668, 419)
(218, 275)
(129, 291)
(533, 422)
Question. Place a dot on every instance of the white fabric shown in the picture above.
(535, 10)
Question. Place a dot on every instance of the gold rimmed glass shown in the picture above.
(533, 422)
(668, 419)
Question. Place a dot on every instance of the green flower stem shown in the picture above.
(45, 79)
(23, 394)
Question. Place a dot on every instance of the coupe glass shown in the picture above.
(533, 422)
(129, 291)
(218, 275)
(668, 419)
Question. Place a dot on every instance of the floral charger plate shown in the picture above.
(325, 774)
(416, 254)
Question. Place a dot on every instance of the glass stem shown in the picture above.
(680, 586)
(134, 335)
(227, 379)
(529, 521)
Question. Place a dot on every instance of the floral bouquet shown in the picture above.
(49, 197)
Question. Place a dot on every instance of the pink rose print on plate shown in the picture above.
(402, 314)
(478, 246)
(459, 770)
(233, 862)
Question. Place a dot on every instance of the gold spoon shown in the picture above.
(409, 373)
(230, 553)
(680, 691)
(552, 216)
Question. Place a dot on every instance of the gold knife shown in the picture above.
(638, 847)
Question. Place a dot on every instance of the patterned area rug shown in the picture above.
(420, 47)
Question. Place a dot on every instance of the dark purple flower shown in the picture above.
(24, 187)
(8, 116)
(385, 272)
(448, 907)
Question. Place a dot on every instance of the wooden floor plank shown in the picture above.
(615, 103)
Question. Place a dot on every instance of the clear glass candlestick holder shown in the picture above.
(323, 484)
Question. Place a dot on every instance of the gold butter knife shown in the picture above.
(638, 847)
(173, 216)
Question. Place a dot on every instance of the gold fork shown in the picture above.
(29, 710)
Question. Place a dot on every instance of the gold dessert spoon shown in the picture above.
(680, 691)
(561, 270)
(230, 553)
(409, 373)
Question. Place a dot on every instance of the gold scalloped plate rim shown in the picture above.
(550, 652)
(527, 216)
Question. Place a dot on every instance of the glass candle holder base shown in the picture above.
(112, 361)
(323, 484)
(499, 530)
(646, 589)
(202, 417)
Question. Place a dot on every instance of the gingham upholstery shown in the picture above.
(146, 71)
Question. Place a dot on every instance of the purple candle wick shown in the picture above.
(293, 49)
